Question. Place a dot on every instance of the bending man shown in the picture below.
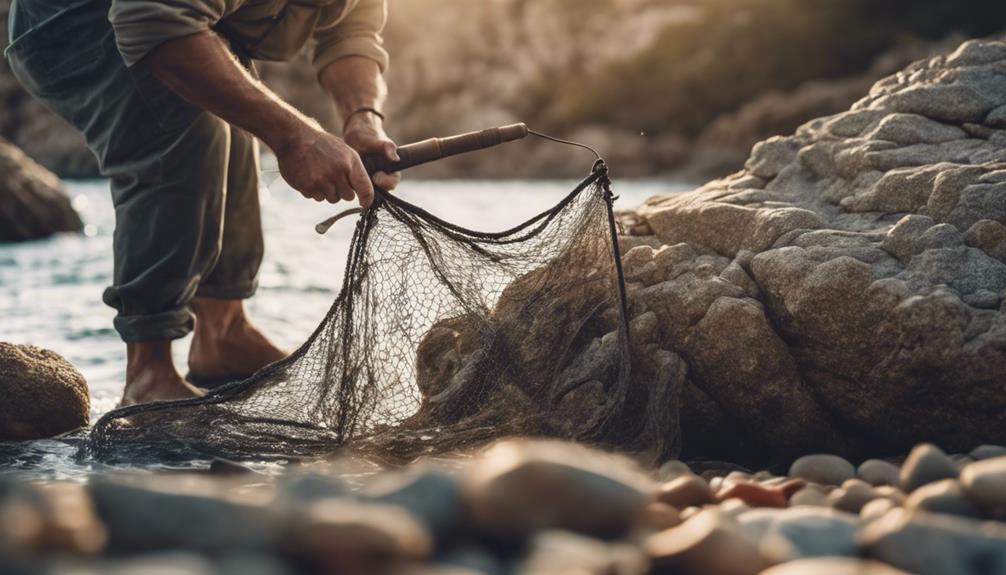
(167, 98)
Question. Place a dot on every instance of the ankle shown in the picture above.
(149, 357)
(216, 319)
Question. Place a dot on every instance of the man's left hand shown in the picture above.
(365, 134)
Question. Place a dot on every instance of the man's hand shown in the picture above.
(323, 167)
(365, 134)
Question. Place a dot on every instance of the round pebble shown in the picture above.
(812, 495)
(753, 494)
(985, 482)
(876, 508)
(942, 497)
(926, 464)
(878, 472)
(686, 491)
(833, 566)
(987, 452)
(672, 470)
(853, 495)
(706, 543)
(823, 469)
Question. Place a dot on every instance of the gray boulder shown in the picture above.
(844, 292)
(32, 202)
(41, 394)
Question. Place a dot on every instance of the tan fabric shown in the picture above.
(264, 29)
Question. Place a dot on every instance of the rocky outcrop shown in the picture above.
(41, 394)
(32, 202)
(845, 289)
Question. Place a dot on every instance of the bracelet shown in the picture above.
(360, 111)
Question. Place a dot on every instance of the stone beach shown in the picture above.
(518, 506)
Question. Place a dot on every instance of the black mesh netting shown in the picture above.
(441, 338)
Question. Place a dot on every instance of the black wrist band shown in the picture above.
(360, 111)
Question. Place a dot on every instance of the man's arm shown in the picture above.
(355, 83)
(201, 69)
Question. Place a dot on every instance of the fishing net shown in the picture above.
(441, 338)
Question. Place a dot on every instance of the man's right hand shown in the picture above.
(323, 167)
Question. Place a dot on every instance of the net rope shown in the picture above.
(441, 338)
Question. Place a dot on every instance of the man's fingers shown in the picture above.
(361, 183)
(344, 189)
(391, 151)
(387, 181)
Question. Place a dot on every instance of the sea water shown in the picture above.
(50, 290)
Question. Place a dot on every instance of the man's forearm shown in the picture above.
(202, 70)
(354, 83)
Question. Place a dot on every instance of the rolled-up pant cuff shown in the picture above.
(174, 324)
(233, 291)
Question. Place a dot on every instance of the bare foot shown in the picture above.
(226, 344)
(151, 375)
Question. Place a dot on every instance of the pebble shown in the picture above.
(794, 533)
(942, 497)
(852, 496)
(987, 452)
(517, 488)
(346, 536)
(985, 482)
(878, 472)
(812, 495)
(706, 543)
(433, 497)
(935, 544)
(564, 552)
(925, 464)
(752, 493)
(673, 469)
(876, 508)
(659, 516)
(833, 566)
(686, 491)
(823, 469)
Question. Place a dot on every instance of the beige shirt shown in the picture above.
(264, 29)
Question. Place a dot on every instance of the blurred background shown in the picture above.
(660, 86)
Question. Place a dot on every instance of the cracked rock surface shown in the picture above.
(844, 292)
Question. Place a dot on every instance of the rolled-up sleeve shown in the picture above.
(142, 25)
(357, 33)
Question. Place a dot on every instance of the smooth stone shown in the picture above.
(797, 532)
(564, 552)
(822, 468)
(943, 496)
(926, 464)
(985, 482)
(878, 472)
(852, 496)
(434, 497)
(706, 543)
(673, 469)
(753, 494)
(876, 508)
(833, 566)
(164, 563)
(935, 544)
(987, 452)
(346, 536)
(659, 516)
(812, 495)
(41, 394)
(686, 491)
(519, 487)
(187, 516)
(48, 519)
(303, 489)
(891, 492)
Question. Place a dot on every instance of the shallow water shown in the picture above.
(50, 290)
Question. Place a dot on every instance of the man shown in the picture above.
(167, 100)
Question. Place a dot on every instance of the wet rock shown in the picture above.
(833, 566)
(926, 464)
(878, 472)
(517, 488)
(686, 491)
(935, 544)
(299, 490)
(41, 394)
(706, 543)
(943, 496)
(564, 552)
(341, 536)
(823, 469)
(32, 202)
(985, 482)
(852, 496)
(790, 534)
(811, 495)
(433, 497)
(56, 518)
(187, 514)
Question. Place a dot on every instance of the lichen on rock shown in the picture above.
(844, 291)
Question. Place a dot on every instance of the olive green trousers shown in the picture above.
(184, 182)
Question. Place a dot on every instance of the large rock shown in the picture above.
(32, 202)
(41, 394)
(844, 291)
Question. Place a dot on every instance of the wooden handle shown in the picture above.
(436, 148)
